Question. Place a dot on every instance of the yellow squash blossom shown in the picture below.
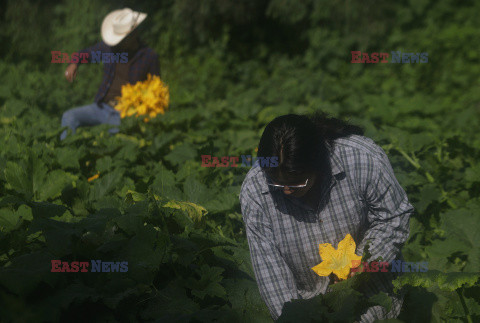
(93, 177)
(339, 261)
(147, 98)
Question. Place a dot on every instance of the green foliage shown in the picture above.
(444, 281)
(344, 302)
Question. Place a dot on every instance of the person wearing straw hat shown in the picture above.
(119, 34)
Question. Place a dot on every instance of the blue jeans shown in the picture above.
(90, 115)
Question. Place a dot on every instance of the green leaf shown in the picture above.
(194, 211)
(237, 257)
(210, 277)
(346, 303)
(130, 223)
(222, 202)
(246, 301)
(309, 310)
(171, 304)
(27, 271)
(39, 176)
(160, 141)
(10, 200)
(47, 210)
(472, 175)
(145, 252)
(55, 182)
(108, 202)
(69, 158)
(445, 281)
(181, 154)
(106, 184)
(196, 191)
(429, 193)
(133, 196)
(164, 182)
(417, 306)
(128, 152)
(19, 179)
(382, 299)
(8, 220)
(75, 293)
(461, 228)
(104, 164)
(59, 236)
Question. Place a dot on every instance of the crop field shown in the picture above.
(142, 196)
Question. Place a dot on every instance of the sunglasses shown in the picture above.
(289, 186)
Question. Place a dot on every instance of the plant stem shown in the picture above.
(429, 176)
(407, 157)
(462, 301)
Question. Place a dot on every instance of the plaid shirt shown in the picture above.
(143, 62)
(363, 198)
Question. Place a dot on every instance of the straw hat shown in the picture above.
(119, 23)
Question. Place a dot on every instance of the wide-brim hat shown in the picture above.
(119, 23)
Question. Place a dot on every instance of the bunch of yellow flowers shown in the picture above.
(149, 97)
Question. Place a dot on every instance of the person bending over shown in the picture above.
(330, 181)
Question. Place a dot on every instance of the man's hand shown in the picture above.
(71, 72)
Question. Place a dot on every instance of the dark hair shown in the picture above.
(300, 141)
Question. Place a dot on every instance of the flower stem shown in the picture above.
(462, 301)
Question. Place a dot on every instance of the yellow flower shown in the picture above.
(150, 97)
(94, 177)
(339, 261)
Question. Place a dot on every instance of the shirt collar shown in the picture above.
(335, 164)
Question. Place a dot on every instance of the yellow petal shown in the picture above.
(323, 269)
(347, 245)
(93, 177)
(326, 250)
(356, 262)
(342, 273)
